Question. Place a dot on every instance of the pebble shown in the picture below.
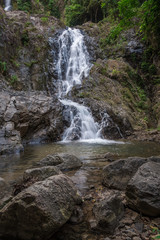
(88, 197)
(139, 226)
(136, 238)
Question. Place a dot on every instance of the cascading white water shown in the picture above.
(73, 60)
(73, 64)
(8, 6)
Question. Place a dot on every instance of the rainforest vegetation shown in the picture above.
(123, 13)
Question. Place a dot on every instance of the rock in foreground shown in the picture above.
(108, 212)
(40, 174)
(143, 190)
(40, 210)
(117, 174)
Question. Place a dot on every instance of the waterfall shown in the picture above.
(8, 6)
(72, 65)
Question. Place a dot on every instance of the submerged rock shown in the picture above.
(62, 161)
(40, 210)
(117, 174)
(143, 190)
(108, 212)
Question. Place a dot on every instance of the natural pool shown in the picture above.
(13, 166)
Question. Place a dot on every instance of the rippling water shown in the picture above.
(13, 166)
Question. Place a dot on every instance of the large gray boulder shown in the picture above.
(117, 174)
(108, 212)
(40, 174)
(40, 210)
(143, 190)
(61, 161)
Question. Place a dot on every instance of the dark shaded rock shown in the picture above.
(108, 212)
(154, 159)
(39, 174)
(3, 187)
(50, 160)
(27, 118)
(143, 190)
(77, 216)
(117, 174)
(62, 161)
(40, 210)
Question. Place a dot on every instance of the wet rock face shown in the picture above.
(143, 190)
(108, 212)
(28, 117)
(117, 174)
(40, 210)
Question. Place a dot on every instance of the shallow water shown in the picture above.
(13, 166)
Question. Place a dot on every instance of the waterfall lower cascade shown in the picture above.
(8, 6)
(73, 64)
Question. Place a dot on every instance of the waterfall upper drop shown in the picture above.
(73, 60)
(72, 66)
(8, 6)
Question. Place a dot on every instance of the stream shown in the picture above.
(92, 156)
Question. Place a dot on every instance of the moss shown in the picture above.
(13, 80)
(44, 19)
(29, 64)
(83, 95)
(152, 69)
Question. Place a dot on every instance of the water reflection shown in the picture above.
(13, 166)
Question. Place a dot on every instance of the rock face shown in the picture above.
(108, 212)
(40, 210)
(28, 117)
(62, 161)
(117, 174)
(3, 187)
(143, 190)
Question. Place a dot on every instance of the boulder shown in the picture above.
(117, 174)
(143, 190)
(62, 161)
(39, 174)
(70, 162)
(108, 212)
(40, 210)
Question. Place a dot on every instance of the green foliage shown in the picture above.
(30, 64)
(114, 34)
(110, 7)
(75, 14)
(14, 79)
(25, 38)
(3, 67)
(127, 10)
(44, 19)
(155, 230)
(24, 5)
(152, 69)
(144, 67)
(150, 22)
(51, 7)
(80, 11)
